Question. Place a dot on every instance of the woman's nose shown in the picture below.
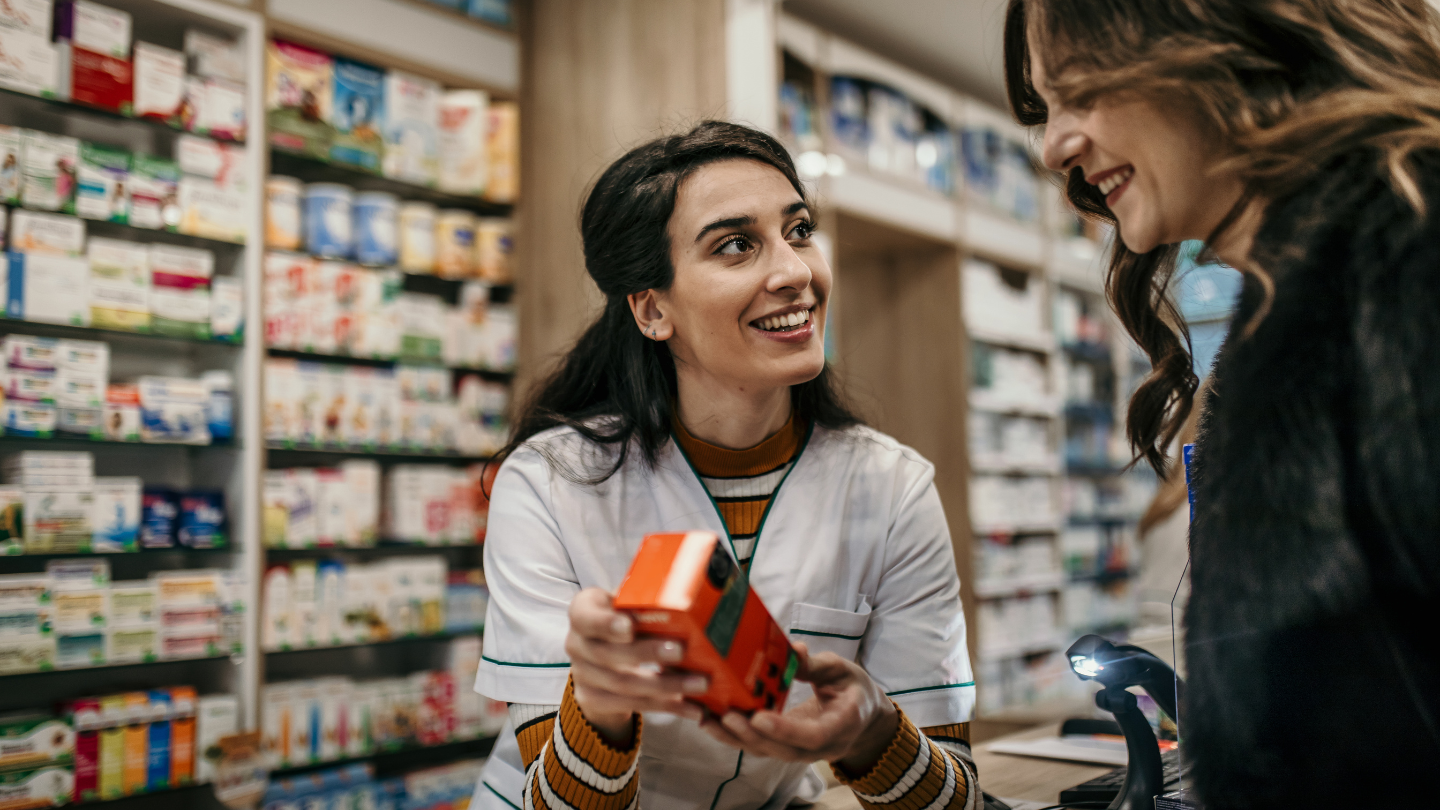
(791, 271)
(1064, 145)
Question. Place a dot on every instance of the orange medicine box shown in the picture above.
(686, 587)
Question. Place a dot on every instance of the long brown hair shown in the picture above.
(1284, 85)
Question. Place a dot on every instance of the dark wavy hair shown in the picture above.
(1284, 85)
(616, 387)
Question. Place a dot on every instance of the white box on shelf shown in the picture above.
(36, 232)
(48, 289)
(31, 62)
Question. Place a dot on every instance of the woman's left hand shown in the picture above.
(848, 721)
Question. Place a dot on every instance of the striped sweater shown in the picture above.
(569, 765)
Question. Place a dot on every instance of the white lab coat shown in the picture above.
(853, 557)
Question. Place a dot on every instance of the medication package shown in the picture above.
(685, 586)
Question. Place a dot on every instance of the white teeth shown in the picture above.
(778, 322)
(1114, 181)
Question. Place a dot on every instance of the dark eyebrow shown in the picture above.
(738, 222)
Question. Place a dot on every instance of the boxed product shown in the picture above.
(220, 407)
(216, 716)
(48, 168)
(29, 419)
(159, 82)
(57, 519)
(358, 113)
(43, 786)
(77, 612)
(33, 738)
(35, 232)
(463, 157)
(299, 89)
(48, 289)
(212, 210)
(100, 183)
(132, 645)
(173, 409)
(276, 629)
(493, 246)
(84, 649)
(31, 386)
(503, 183)
(31, 65)
(119, 284)
(154, 193)
(685, 585)
(31, 352)
(98, 79)
(214, 57)
(87, 423)
(412, 128)
(93, 27)
(201, 523)
(217, 107)
(116, 515)
(33, 16)
(12, 526)
(122, 413)
(9, 165)
(134, 604)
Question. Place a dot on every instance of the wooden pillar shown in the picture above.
(598, 77)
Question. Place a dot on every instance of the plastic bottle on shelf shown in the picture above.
(282, 212)
(455, 243)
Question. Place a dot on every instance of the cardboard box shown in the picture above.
(214, 57)
(49, 166)
(358, 113)
(159, 82)
(35, 232)
(31, 64)
(219, 108)
(29, 419)
(94, 27)
(299, 90)
(116, 516)
(28, 739)
(57, 520)
(45, 786)
(9, 165)
(503, 140)
(463, 160)
(180, 312)
(98, 79)
(173, 409)
(80, 612)
(154, 193)
(33, 16)
(119, 284)
(412, 128)
(134, 604)
(686, 586)
(213, 210)
(100, 191)
(49, 289)
(122, 413)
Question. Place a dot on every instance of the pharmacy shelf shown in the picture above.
(1038, 527)
(1099, 469)
(1091, 352)
(1101, 520)
(11, 676)
(376, 362)
(74, 107)
(79, 443)
(982, 400)
(189, 796)
(404, 758)
(1040, 343)
(125, 555)
(311, 170)
(1090, 411)
(432, 638)
(1007, 651)
(115, 230)
(58, 330)
(1001, 466)
(295, 452)
(384, 549)
(1019, 586)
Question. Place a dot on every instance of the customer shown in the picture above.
(700, 400)
(1301, 140)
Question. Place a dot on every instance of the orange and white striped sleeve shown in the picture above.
(568, 764)
(929, 770)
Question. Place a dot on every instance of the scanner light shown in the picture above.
(1085, 666)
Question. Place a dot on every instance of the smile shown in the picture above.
(783, 323)
(1114, 183)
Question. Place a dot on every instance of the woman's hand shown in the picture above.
(848, 721)
(616, 676)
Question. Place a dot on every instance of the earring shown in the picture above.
(652, 333)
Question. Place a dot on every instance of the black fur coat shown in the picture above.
(1316, 541)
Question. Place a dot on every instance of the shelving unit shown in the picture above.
(945, 335)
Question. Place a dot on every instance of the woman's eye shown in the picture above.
(802, 231)
(733, 247)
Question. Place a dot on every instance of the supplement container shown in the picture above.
(455, 244)
(327, 220)
(493, 245)
(417, 237)
(282, 212)
(375, 226)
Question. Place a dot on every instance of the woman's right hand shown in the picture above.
(617, 676)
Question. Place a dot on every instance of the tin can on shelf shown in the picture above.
(455, 244)
(375, 228)
(327, 220)
(282, 212)
(417, 237)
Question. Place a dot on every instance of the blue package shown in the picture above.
(220, 405)
(358, 114)
(201, 522)
(159, 509)
(158, 761)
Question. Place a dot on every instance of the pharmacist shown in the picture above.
(700, 399)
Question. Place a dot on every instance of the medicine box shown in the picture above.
(119, 284)
(214, 57)
(299, 89)
(29, 419)
(9, 165)
(686, 586)
(116, 516)
(173, 409)
(159, 82)
(216, 716)
(49, 165)
(43, 786)
(35, 232)
(33, 16)
(358, 114)
(154, 189)
(94, 27)
(412, 128)
(57, 519)
(30, 65)
(101, 180)
(28, 739)
(98, 79)
(48, 289)
(12, 521)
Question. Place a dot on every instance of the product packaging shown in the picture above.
(183, 708)
(202, 520)
(159, 82)
(212, 210)
(298, 95)
(686, 586)
(98, 79)
(100, 189)
(80, 612)
(417, 237)
(29, 419)
(214, 57)
(327, 220)
(154, 193)
(48, 166)
(116, 514)
(463, 156)
(12, 527)
(44, 786)
(119, 284)
(173, 409)
(181, 312)
(282, 212)
(31, 16)
(94, 27)
(57, 519)
(122, 413)
(227, 308)
(28, 739)
(503, 183)
(412, 128)
(217, 108)
(10, 164)
(48, 289)
(358, 114)
(455, 243)
(216, 716)
(36, 232)
(375, 226)
(493, 246)
(31, 64)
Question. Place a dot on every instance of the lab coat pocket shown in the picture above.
(824, 629)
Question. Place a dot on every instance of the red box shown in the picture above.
(101, 80)
(686, 587)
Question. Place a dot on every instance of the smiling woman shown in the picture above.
(700, 399)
